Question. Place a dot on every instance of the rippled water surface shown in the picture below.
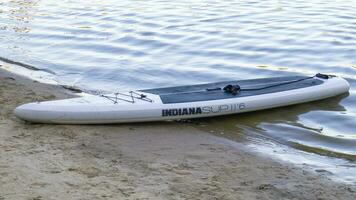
(114, 45)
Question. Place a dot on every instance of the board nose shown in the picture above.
(26, 111)
(21, 111)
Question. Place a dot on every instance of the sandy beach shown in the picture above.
(165, 160)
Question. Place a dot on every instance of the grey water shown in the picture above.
(122, 45)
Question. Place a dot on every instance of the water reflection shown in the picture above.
(20, 13)
(290, 126)
(16, 16)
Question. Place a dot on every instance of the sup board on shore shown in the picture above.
(185, 102)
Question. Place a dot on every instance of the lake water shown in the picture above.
(122, 45)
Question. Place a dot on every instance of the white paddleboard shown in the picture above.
(184, 102)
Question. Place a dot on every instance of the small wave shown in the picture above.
(27, 66)
(322, 151)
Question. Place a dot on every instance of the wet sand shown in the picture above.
(166, 160)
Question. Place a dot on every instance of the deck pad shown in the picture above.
(206, 92)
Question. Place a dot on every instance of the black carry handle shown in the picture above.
(232, 89)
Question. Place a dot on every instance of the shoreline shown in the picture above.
(161, 160)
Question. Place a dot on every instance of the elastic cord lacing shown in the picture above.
(132, 96)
